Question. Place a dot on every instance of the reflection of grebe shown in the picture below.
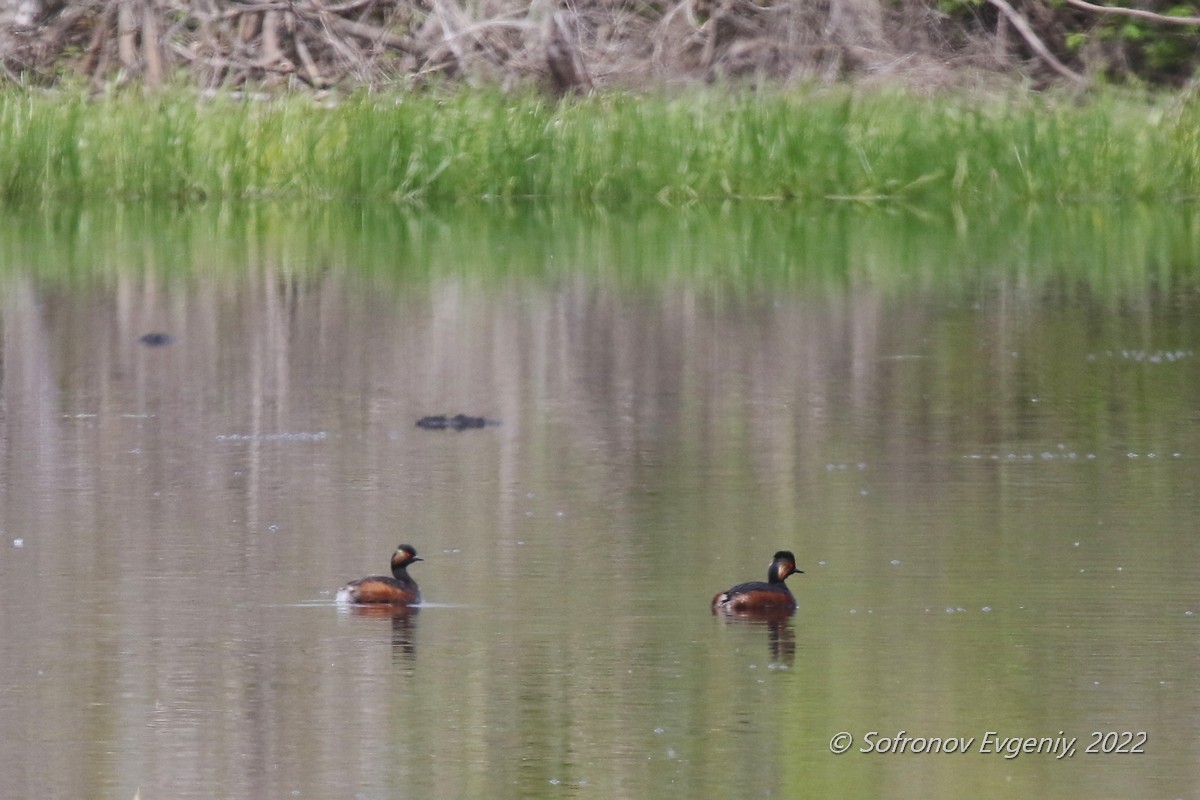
(758, 598)
(398, 590)
(781, 639)
(404, 624)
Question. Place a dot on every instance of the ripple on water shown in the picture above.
(1062, 454)
(1143, 356)
(298, 436)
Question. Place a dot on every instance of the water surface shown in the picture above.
(980, 438)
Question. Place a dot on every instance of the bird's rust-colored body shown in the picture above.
(770, 596)
(398, 590)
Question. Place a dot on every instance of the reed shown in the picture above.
(805, 145)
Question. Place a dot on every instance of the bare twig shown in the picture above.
(92, 56)
(1027, 33)
(1134, 12)
(450, 31)
(342, 8)
(566, 64)
(150, 51)
(249, 25)
(127, 34)
(310, 65)
(221, 62)
(372, 34)
(272, 52)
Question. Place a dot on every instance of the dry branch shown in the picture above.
(1137, 13)
(568, 70)
(367, 32)
(150, 46)
(1027, 33)
(127, 34)
(563, 45)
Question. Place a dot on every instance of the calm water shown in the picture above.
(981, 439)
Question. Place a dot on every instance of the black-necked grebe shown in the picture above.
(398, 590)
(757, 596)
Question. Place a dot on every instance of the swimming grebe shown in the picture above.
(757, 596)
(398, 590)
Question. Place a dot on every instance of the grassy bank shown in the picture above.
(612, 148)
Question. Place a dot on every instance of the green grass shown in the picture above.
(708, 145)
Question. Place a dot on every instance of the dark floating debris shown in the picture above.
(156, 339)
(459, 422)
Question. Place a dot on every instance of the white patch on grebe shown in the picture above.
(344, 596)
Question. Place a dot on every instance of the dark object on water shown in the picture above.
(459, 422)
(156, 339)
(398, 590)
(759, 597)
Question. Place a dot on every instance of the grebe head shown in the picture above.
(405, 554)
(782, 565)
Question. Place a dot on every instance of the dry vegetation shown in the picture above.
(562, 47)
